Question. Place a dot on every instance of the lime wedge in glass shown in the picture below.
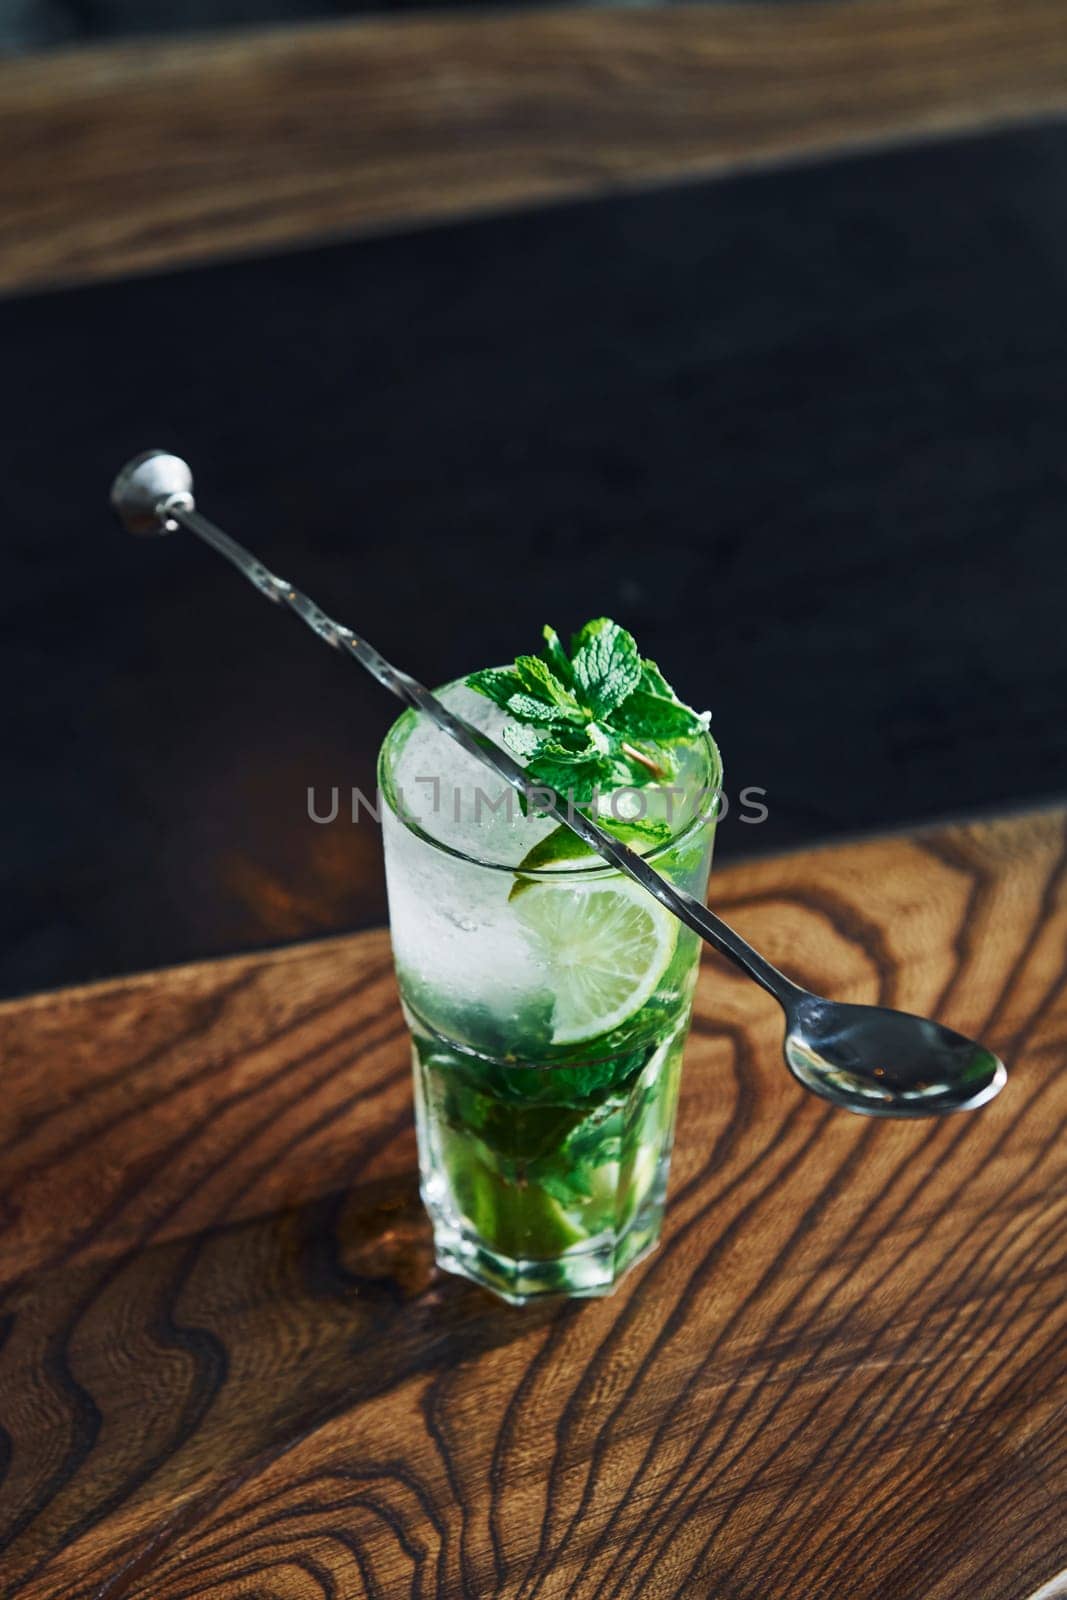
(517, 1221)
(604, 951)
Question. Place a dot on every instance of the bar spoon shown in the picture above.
(866, 1059)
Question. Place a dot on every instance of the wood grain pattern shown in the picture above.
(229, 1368)
(138, 156)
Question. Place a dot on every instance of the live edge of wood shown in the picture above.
(135, 156)
(229, 1367)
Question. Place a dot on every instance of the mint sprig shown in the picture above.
(595, 719)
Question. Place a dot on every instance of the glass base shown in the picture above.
(590, 1270)
(547, 1179)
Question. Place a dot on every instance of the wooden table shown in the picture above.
(147, 155)
(230, 1368)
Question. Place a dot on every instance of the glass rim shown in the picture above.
(706, 813)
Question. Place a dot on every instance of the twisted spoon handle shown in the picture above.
(178, 509)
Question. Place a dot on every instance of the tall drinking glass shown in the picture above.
(548, 1006)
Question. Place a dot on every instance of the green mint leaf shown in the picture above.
(570, 744)
(540, 680)
(572, 777)
(522, 742)
(597, 1140)
(643, 715)
(605, 718)
(565, 1183)
(530, 691)
(564, 745)
(653, 680)
(648, 831)
(556, 656)
(558, 758)
(526, 708)
(591, 630)
(607, 665)
(497, 684)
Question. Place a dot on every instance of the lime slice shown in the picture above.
(604, 950)
(519, 1222)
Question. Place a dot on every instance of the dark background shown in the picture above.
(804, 433)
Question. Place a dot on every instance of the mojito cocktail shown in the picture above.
(548, 996)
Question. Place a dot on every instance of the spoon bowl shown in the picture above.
(884, 1063)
